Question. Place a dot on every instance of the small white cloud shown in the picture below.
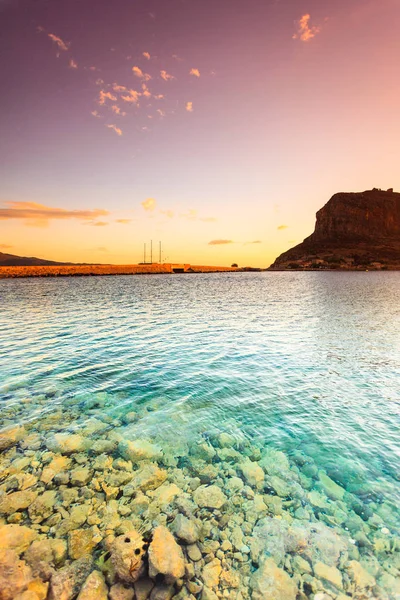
(194, 72)
(146, 55)
(305, 33)
(117, 130)
(57, 40)
(149, 204)
(166, 76)
(189, 106)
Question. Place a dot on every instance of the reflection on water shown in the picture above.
(303, 363)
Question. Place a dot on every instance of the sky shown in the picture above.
(219, 127)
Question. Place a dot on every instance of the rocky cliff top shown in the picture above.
(353, 230)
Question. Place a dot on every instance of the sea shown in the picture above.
(216, 371)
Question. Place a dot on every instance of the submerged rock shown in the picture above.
(10, 437)
(185, 529)
(15, 575)
(11, 503)
(16, 537)
(66, 583)
(120, 592)
(270, 582)
(127, 556)
(252, 473)
(138, 450)
(94, 588)
(165, 556)
(209, 497)
(68, 443)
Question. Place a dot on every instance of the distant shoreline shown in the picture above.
(20, 272)
(10, 272)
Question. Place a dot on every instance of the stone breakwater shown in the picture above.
(90, 510)
(92, 270)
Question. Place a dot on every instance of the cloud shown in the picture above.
(194, 72)
(159, 96)
(117, 130)
(5, 246)
(208, 219)
(146, 55)
(133, 97)
(101, 249)
(103, 95)
(191, 215)
(149, 204)
(39, 215)
(96, 223)
(72, 64)
(168, 213)
(166, 76)
(95, 114)
(281, 227)
(116, 109)
(220, 242)
(305, 33)
(189, 106)
(57, 40)
(146, 92)
(123, 221)
(118, 88)
(255, 242)
(139, 73)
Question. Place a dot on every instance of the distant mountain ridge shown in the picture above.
(11, 260)
(352, 231)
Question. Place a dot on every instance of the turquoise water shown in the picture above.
(304, 363)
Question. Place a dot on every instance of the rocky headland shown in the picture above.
(352, 231)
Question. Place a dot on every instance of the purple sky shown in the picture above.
(267, 109)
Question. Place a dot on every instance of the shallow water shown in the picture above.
(306, 363)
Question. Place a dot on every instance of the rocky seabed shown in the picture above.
(92, 509)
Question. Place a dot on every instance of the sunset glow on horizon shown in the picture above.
(219, 128)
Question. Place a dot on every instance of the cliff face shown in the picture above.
(353, 230)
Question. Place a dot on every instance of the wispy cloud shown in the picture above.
(39, 215)
(208, 219)
(146, 55)
(168, 213)
(139, 73)
(57, 40)
(194, 72)
(281, 227)
(95, 114)
(189, 106)
(191, 215)
(103, 96)
(6, 246)
(123, 221)
(255, 242)
(220, 242)
(149, 204)
(117, 130)
(118, 88)
(96, 223)
(305, 32)
(166, 76)
(161, 112)
(101, 249)
(72, 64)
